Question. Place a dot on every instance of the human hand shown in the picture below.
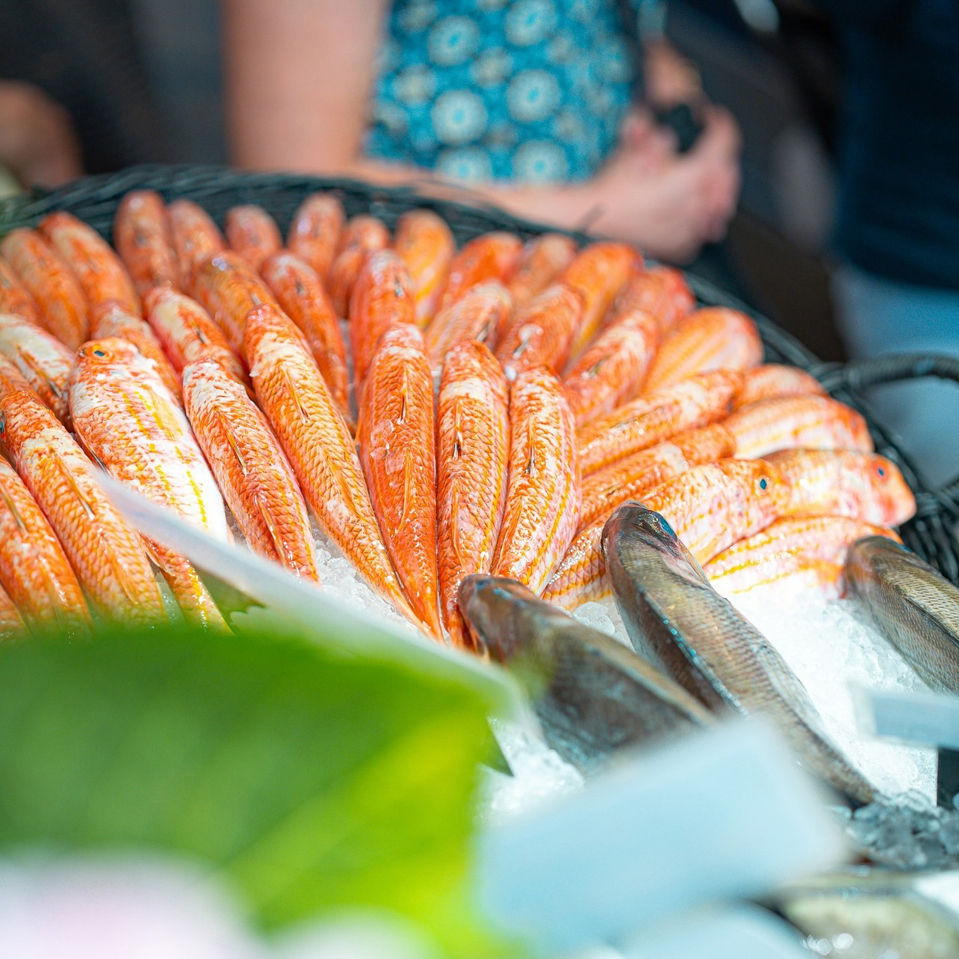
(668, 77)
(37, 142)
(672, 208)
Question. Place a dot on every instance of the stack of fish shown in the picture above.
(441, 412)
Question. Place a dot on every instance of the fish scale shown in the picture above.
(317, 442)
(15, 297)
(396, 435)
(681, 625)
(472, 440)
(33, 567)
(252, 233)
(50, 281)
(543, 494)
(773, 379)
(543, 260)
(141, 234)
(711, 338)
(580, 576)
(541, 332)
(650, 419)
(251, 469)
(106, 553)
(130, 422)
(797, 422)
(803, 552)
(660, 291)
(94, 263)
(492, 256)
(480, 313)
(300, 293)
(425, 244)
(911, 604)
(195, 238)
(315, 231)
(42, 360)
(11, 622)
(361, 236)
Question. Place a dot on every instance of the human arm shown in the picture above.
(299, 77)
(37, 142)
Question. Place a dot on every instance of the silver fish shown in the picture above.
(678, 622)
(910, 604)
(593, 696)
(875, 912)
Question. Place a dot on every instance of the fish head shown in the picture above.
(767, 489)
(894, 499)
(634, 524)
(108, 352)
(493, 608)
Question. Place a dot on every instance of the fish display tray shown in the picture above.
(931, 533)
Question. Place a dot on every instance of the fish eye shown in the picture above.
(99, 353)
(880, 471)
(3, 423)
(763, 483)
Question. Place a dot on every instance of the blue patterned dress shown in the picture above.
(529, 90)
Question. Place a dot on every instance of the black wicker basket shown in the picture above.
(931, 533)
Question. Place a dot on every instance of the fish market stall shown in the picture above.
(652, 507)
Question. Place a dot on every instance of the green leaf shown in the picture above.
(309, 780)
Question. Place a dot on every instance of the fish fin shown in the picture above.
(39, 374)
(596, 367)
(232, 442)
(14, 512)
(524, 340)
(295, 394)
(72, 483)
(530, 467)
(404, 395)
(201, 336)
(271, 525)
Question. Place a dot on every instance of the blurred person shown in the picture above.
(898, 217)
(38, 145)
(528, 102)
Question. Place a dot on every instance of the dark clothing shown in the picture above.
(84, 54)
(899, 159)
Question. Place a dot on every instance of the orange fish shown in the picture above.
(660, 291)
(11, 622)
(99, 270)
(15, 297)
(598, 274)
(772, 379)
(542, 497)
(315, 231)
(227, 287)
(636, 475)
(541, 333)
(42, 360)
(797, 422)
(33, 567)
(187, 333)
(252, 471)
(105, 552)
(128, 420)
(863, 486)
(382, 296)
(713, 338)
(62, 302)
(613, 368)
(479, 314)
(710, 507)
(195, 238)
(109, 318)
(12, 379)
(650, 419)
(580, 576)
(472, 460)
(396, 434)
(796, 553)
(543, 261)
(300, 292)
(425, 244)
(315, 437)
(141, 232)
(252, 233)
(492, 256)
(361, 236)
